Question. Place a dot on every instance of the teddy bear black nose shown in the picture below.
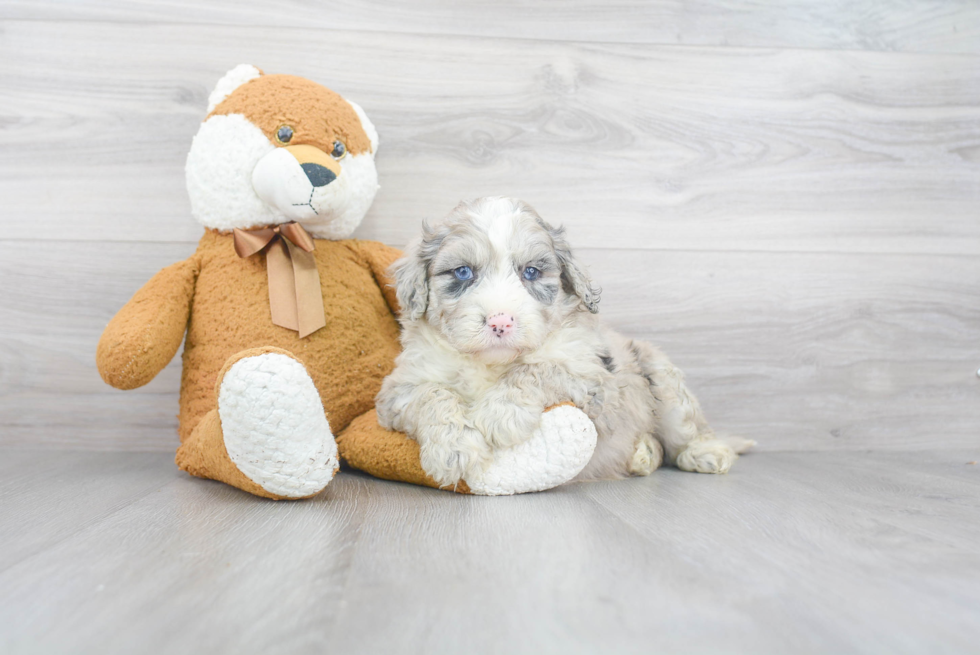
(319, 175)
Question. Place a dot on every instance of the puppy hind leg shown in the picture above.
(647, 456)
(682, 428)
(708, 456)
(689, 448)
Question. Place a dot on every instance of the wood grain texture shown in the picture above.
(781, 195)
(790, 552)
(797, 228)
(629, 145)
(905, 25)
(797, 350)
(57, 304)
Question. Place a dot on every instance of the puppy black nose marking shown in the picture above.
(501, 324)
(318, 175)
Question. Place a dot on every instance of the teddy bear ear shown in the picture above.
(372, 134)
(232, 80)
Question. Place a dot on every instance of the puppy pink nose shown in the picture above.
(501, 324)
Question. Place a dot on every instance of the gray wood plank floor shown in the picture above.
(792, 552)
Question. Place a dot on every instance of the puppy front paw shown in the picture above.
(506, 424)
(451, 454)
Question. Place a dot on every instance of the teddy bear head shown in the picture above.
(280, 148)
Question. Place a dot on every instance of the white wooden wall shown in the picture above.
(784, 196)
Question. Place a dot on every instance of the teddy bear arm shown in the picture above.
(144, 336)
(379, 258)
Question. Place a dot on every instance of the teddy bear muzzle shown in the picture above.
(319, 167)
(296, 180)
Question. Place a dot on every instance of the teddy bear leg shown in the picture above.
(557, 451)
(269, 435)
(385, 454)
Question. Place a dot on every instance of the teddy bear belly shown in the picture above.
(347, 373)
(347, 358)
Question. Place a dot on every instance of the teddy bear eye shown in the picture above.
(339, 150)
(284, 134)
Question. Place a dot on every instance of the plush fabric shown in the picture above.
(142, 339)
(367, 446)
(233, 79)
(347, 358)
(271, 101)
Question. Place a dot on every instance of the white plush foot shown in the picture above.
(274, 426)
(558, 450)
(647, 457)
(710, 456)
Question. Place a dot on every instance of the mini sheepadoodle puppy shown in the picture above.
(498, 324)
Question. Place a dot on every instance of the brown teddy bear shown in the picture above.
(290, 325)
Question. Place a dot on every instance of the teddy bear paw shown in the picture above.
(274, 426)
(557, 451)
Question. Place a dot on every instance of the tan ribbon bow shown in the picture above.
(294, 281)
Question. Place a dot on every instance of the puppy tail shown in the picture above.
(738, 444)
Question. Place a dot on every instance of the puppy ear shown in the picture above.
(411, 274)
(574, 279)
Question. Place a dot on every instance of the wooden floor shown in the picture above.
(785, 196)
(790, 553)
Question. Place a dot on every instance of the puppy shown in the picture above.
(499, 323)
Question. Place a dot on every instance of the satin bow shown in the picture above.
(294, 281)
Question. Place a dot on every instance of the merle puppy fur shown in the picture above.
(499, 323)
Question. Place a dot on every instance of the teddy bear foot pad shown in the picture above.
(557, 452)
(275, 429)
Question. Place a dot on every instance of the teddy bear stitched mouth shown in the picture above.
(308, 203)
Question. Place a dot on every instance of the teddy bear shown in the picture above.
(289, 325)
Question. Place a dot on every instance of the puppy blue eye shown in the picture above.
(531, 274)
(463, 273)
